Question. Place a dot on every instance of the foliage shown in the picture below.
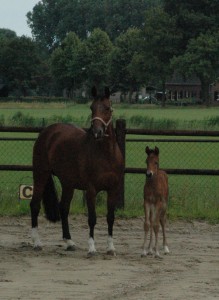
(198, 24)
(99, 48)
(193, 17)
(127, 43)
(201, 59)
(161, 39)
(125, 60)
(50, 21)
(7, 33)
(19, 62)
(67, 63)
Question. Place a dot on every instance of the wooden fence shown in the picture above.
(123, 134)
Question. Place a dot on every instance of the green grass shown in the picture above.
(142, 116)
(190, 196)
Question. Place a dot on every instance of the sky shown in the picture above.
(13, 15)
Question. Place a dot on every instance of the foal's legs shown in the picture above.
(91, 199)
(163, 225)
(150, 247)
(110, 221)
(156, 227)
(64, 206)
(146, 227)
(40, 181)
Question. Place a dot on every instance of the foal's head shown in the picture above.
(152, 161)
(101, 113)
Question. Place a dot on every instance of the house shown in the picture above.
(181, 88)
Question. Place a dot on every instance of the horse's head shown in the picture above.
(152, 161)
(101, 109)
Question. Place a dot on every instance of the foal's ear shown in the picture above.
(147, 150)
(107, 92)
(94, 92)
(156, 150)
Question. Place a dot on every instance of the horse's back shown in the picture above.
(53, 137)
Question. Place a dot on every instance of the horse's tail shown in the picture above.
(50, 201)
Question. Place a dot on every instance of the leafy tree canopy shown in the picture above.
(193, 17)
(51, 20)
(201, 59)
(7, 33)
(125, 60)
(19, 62)
(67, 63)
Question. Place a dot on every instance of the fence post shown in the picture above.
(120, 136)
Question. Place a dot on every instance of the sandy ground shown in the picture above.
(190, 271)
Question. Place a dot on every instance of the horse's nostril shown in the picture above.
(98, 133)
(149, 174)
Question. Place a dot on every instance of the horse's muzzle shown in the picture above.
(149, 174)
(98, 132)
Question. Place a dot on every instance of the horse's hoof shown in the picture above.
(111, 252)
(91, 254)
(166, 250)
(158, 256)
(71, 248)
(37, 248)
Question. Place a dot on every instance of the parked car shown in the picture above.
(148, 99)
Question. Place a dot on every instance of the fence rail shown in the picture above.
(126, 137)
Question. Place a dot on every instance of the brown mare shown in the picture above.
(155, 202)
(89, 161)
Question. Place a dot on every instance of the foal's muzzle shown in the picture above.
(149, 174)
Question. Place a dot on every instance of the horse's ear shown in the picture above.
(94, 92)
(107, 92)
(156, 150)
(147, 150)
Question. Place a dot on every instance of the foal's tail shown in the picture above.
(50, 201)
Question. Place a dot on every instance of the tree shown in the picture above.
(19, 62)
(99, 47)
(7, 33)
(68, 63)
(201, 59)
(198, 24)
(126, 63)
(160, 37)
(193, 18)
(51, 20)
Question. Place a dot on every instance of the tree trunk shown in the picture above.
(163, 101)
(205, 88)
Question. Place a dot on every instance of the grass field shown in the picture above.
(137, 115)
(190, 196)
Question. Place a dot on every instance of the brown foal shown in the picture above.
(155, 202)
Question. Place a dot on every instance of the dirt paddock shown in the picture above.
(190, 271)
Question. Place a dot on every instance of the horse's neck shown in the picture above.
(109, 141)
